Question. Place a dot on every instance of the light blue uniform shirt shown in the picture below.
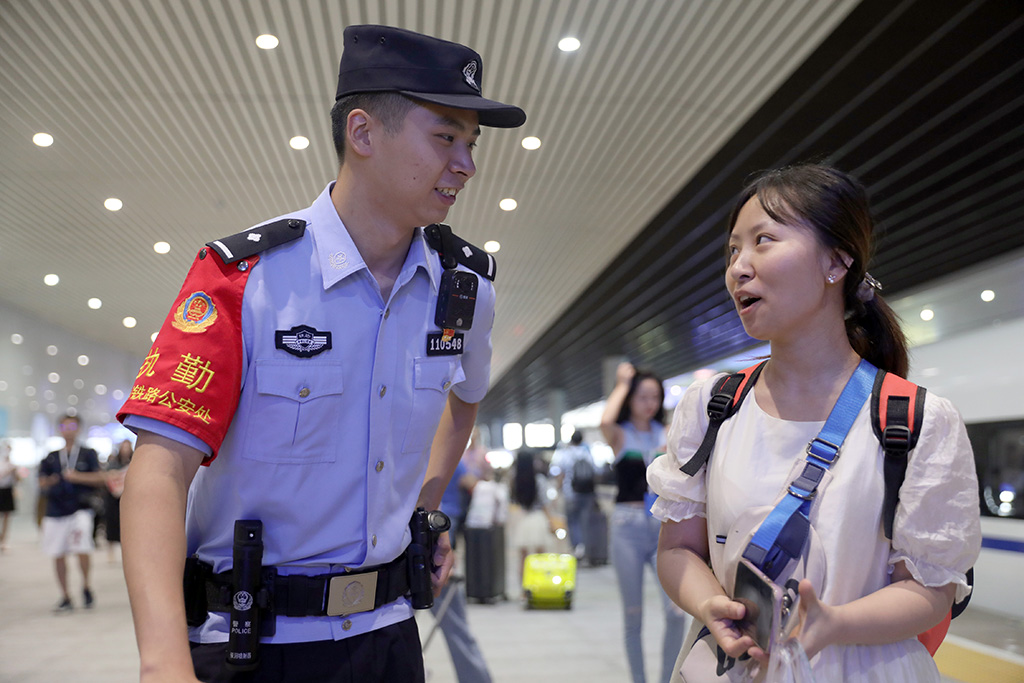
(330, 451)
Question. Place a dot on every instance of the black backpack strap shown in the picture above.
(897, 411)
(726, 397)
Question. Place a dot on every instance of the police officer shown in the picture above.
(312, 375)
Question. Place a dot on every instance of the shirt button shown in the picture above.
(387, 313)
(446, 385)
(373, 540)
(347, 624)
(383, 390)
(380, 465)
(303, 392)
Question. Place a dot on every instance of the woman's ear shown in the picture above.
(839, 264)
(358, 129)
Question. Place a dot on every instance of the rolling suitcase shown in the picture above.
(485, 563)
(549, 580)
(595, 537)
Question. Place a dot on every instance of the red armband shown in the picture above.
(192, 376)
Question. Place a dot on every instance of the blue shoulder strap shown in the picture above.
(784, 531)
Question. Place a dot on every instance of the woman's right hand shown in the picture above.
(720, 614)
(624, 373)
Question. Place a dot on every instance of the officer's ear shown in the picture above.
(359, 130)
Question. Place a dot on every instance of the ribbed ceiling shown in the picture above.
(923, 101)
(647, 132)
(172, 108)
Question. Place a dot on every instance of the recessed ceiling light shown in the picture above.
(531, 142)
(299, 142)
(492, 246)
(101, 389)
(72, 400)
(3, 385)
(43, 139)
(51, 279)
(94, 303)
(161, 247)
(267, 42)
(53, 377)
(30, 390)
(988, 295)
(152, 337)
(17, 338)
(51, 350)
(48, 395)
(78, 384)
(118, 395)
(113, 204)
(508, 204)
(83, 359)
(568, 44)
(927, 314)
(129, 322)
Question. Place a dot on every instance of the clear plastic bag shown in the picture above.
(789, 664)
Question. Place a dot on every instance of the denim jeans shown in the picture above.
(577, 513)
(634, 544)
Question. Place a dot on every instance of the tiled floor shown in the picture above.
(581, 644)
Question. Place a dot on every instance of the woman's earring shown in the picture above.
(831, 279)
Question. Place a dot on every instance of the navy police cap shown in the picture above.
(383, 59)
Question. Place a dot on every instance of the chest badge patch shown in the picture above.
(195, 313)
(302, 341)
(446, 343)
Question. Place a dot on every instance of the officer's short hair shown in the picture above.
(390, 108)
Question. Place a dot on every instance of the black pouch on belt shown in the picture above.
(196, 574)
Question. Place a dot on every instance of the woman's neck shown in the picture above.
(640, 425)
(803, 381)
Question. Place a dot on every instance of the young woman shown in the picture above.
(535, 530)
(632, 424)
(798, 250)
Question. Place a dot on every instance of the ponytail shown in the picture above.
(875, 334)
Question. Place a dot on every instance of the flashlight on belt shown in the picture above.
(425, 527)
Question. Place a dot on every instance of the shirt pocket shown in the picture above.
(432, 379)
(293, 413)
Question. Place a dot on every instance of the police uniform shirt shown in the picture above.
(330, 440)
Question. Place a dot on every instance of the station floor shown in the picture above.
(581, 644)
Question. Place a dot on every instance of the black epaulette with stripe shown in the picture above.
(254, 240)
(472, 257)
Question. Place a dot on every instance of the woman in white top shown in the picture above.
(798, 247)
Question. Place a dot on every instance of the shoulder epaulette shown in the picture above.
(254, 240)
(461, 251)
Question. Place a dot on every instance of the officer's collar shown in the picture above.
(339, 257)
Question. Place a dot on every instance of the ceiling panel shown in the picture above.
(922, 101)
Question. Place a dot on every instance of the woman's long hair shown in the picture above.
(835, 206)
(524, 481)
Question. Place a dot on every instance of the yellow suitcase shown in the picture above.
(549, 580)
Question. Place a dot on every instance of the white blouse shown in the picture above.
(936, 532)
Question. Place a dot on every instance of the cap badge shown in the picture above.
(254, 237)
(469, 73)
